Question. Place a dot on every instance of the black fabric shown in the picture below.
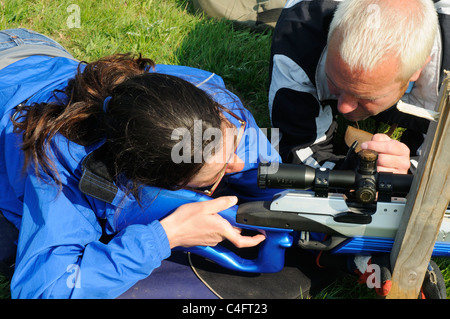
(444, 21)
(96, 180)
(433, 286)
(301, 33)
(8, 238)
(288, 118)
(300, 278)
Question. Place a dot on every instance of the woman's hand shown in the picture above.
(199, 224)
(393, 156)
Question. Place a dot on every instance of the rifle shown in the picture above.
(358, 210)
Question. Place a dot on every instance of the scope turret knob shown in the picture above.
(367, 161)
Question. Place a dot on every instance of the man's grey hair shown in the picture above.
(370, 30)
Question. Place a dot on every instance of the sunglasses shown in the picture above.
(239, 135)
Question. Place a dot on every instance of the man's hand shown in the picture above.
(199, 224)
(393, 156)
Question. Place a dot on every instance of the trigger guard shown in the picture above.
(270, 258)
(271, 254)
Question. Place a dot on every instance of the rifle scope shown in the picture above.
(296, 176)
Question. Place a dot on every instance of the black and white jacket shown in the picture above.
(301, 106)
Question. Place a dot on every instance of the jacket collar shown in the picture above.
(97, 182)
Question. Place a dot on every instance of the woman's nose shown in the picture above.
(235, 165)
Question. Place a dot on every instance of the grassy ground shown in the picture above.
(167, 31)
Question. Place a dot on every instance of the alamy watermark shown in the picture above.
(254, 146)
(74, 18)
(74, 279)
(374, 18)
(374, 279)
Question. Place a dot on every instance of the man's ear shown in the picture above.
(416, 74)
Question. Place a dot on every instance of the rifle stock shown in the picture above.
(358, 211)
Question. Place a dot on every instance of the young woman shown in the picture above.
(104, 166)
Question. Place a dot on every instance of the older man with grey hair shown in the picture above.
(382, 59)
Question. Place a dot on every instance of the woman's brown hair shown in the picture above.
(143, 110)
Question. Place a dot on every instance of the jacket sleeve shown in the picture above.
(306, 124)
(60, 254)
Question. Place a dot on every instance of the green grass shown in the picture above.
(4, 288)
(169, 32)
(347, 287)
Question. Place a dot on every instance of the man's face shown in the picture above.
(363, 94)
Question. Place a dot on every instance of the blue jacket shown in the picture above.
(60, 254)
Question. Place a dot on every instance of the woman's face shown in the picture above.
(223, 161)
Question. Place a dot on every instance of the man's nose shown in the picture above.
(346, 103)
